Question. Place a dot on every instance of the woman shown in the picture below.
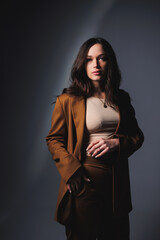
(94, 131)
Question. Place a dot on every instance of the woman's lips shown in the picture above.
(97, 73)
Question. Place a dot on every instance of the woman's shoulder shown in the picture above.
(124, 102)
(123, 96)
(65, 97)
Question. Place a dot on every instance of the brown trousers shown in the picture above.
(92, 216)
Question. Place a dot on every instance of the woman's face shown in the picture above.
(96, 63)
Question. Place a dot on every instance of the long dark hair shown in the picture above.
(81, 85)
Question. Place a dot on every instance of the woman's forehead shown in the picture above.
(96, 49)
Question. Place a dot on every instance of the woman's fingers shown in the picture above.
(92, 144)
(101, 146)
(76, 185)
(69, 187)
(98, 149)
(73, 186)
(102, 153)
(86, 179)
(96, 145)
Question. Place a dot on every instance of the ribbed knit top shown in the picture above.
(100, 122)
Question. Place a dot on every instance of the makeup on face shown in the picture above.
(96, 62)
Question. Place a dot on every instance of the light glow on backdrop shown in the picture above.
(90, 22)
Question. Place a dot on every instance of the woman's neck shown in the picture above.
(98, 91)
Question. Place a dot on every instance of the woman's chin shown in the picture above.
(97, 78)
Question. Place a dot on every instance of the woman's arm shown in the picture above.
(69, 167)
(130, 135)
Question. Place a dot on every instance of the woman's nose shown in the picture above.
(96, 63)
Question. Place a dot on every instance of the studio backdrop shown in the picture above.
(39, 43)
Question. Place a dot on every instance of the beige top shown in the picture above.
(100, 122)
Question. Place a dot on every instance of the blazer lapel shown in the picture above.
(78, 112)
(119, 114)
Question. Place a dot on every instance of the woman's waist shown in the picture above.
(105, 161)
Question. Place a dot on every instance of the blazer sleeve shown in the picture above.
(130, 136)
(66, 162)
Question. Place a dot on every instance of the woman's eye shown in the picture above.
(102, 58)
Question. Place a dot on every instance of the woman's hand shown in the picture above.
(102, 146)
(76, 182)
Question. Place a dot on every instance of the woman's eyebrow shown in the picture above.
(97, 56)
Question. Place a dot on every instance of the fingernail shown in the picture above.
(88, 180)
(70, 191)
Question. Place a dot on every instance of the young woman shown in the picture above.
(93, 132)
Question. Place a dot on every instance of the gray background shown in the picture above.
(39, 43)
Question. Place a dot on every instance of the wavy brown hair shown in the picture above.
(81, 85)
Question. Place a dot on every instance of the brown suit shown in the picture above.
(65, 142)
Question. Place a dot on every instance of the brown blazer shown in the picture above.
(65, 142)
